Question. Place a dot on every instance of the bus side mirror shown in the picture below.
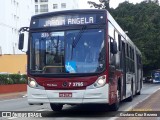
(114, 49)
(21, 41)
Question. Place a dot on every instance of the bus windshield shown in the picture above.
(156, 75)
(64, 52)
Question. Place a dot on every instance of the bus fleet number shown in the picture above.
(76, 84)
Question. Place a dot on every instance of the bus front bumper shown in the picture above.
(87, 96)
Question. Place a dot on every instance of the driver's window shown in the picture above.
(112, 56)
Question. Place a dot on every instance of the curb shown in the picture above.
(12, 95)
(130, 108)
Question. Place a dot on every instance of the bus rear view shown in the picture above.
(68, 60)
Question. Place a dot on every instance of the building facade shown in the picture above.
(43, 6)
(13, 15)
(16, 63)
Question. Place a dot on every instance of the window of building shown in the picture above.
(36, 0)
(43, 0)
(36, 8)
(14, 2)
(63, 5)
(17, 4)
(55, 6)
(12, 30)
(14, 17)
(44, 8)
(0, 50)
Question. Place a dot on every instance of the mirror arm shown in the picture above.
(26, 52)
(24, 29)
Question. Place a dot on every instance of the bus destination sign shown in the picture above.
(65, 20)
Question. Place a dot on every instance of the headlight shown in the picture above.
(32, 83)
(100, 82)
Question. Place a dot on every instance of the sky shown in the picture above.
(113, 3)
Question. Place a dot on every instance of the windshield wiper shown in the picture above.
(78, 37)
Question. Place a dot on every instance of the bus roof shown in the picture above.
(70, 12)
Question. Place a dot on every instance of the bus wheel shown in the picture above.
(56, 107)
(115, 106)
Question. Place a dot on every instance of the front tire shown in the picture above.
(56, 107)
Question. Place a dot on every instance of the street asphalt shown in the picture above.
(19, 103)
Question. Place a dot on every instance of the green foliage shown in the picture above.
(15, 77)
(23, 79)
(142, 21)
(24, 76)
(104, 4)
(12, 79)
(3, 79)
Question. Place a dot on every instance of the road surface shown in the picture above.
(74, 112)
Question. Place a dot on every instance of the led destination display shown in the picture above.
(69, 21)
(65, 20)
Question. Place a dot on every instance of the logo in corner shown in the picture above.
(64, 84)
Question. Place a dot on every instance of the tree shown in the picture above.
(104, 4)
(157, 2)
(143, 25)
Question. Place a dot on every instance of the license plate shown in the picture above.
(65, 95)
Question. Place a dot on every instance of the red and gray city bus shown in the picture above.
(80, 57)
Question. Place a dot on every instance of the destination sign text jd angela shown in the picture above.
(64, 20)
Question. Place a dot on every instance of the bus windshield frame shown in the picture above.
(79, 33)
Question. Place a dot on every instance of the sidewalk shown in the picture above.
(12, 95)
(151, 104)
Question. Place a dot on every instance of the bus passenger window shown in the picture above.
(112, 52)
(119, 43)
